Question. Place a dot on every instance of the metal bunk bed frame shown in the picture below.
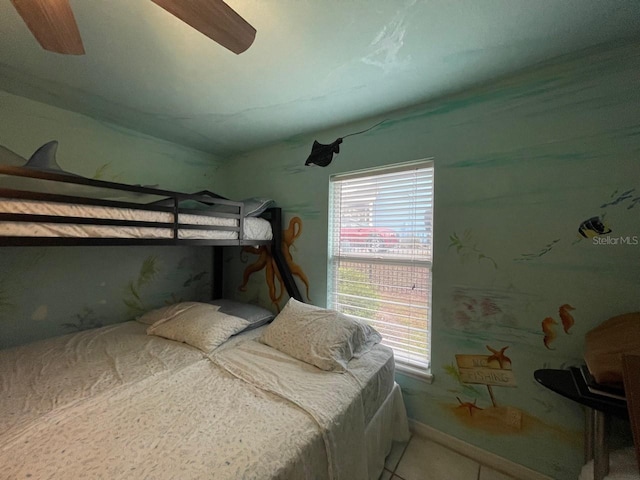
(274, 215)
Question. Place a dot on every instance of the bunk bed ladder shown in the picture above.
(278, 257)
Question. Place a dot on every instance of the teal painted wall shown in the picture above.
(519, 165)
(51, 291)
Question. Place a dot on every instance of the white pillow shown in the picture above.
(205, 332)
(167, 313)
(320, 337)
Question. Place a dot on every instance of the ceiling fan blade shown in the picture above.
(52, 23)
(215, 19)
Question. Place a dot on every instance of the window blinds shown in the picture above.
(380, 253)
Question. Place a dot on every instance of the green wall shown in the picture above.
(519, 166)
(50, 291)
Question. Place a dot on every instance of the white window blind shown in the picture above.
(380, 254)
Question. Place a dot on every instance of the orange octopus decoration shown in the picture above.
(266, 261)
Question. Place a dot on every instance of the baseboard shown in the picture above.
(489, 459)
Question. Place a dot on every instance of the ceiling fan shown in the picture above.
(54, 26)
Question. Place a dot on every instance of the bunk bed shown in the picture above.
(43, 208)
(125, 401)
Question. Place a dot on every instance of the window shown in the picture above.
(380, 253)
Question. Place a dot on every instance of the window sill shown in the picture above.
(415, 373)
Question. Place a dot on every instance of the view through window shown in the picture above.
(380, 254)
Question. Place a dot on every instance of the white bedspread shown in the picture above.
(249, 412)
(38, 378)
(333, 400)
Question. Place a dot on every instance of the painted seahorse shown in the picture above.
(549, 332)
(566, 317)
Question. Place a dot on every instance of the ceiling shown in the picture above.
(313, 65)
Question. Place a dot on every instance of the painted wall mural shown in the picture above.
(53, 291)
(266, 262)
(467, 249)
(537, 181)
(549, 323)
(537, 197)
(100, 286)
(596, 226)
(491, 371)
(133, 295)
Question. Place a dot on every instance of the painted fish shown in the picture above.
(593, 227)
(566, 317)
(549, 332)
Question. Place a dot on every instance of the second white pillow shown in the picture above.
(320, 337)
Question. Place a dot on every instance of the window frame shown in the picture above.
(334, 258)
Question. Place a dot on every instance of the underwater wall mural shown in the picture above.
(85, 320)
(491, 371)
(536, 212)
(549, 324)
(134, 290)
(266, 262)
(56, 290)
(467, 249)
(597, 229)
(50, 291)
(524, 165)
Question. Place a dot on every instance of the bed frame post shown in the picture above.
(216, 273)
(278, 257)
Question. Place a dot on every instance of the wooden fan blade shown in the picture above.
(215, 19)
(52, 23)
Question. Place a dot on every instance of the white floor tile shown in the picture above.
(398, 448)
(427, 460)
(488, 474)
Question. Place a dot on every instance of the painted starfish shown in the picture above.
(469, 405)
(499, 356)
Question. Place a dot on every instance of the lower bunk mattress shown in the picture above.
(115, 403)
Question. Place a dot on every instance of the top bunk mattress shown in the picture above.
(254, 228)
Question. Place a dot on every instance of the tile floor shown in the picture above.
(422, 459)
